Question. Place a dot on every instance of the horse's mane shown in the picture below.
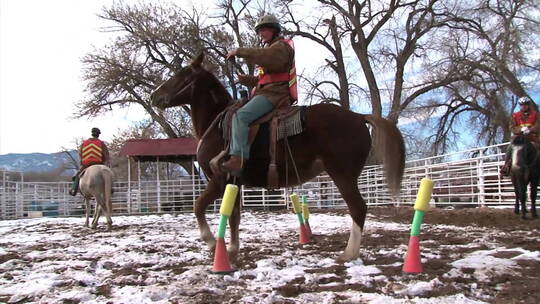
(213, 82)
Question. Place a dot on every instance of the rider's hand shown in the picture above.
(525, 130)
(231, 53)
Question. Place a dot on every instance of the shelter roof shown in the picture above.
(170, 149)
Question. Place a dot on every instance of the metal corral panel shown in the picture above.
(465, 179)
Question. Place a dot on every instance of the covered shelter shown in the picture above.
(176, 150)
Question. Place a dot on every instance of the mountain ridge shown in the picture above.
(38, 162)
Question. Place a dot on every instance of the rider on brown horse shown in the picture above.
(275, 86)
(525, 122)
(92, 151)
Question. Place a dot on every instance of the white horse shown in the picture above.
(96, 182)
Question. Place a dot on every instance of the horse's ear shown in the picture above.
(196, 62)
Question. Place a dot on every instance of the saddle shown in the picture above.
(282, 123)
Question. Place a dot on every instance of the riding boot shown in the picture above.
(74, 185)
(233, 165)
(505, 170)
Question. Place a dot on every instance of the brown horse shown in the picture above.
(334, 140)
(525, 170)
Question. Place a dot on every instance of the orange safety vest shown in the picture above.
(279, 77)
(521, 121)
(92, 152)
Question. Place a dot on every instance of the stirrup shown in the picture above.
(235, 173)
(215, 163)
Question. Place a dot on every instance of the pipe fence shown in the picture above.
(463, 179)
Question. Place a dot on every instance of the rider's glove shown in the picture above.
(525, 130)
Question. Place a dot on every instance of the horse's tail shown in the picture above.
(389, 149)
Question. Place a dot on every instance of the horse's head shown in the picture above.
(519, 140)
(180, 88)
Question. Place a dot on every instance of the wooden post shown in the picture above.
(129, 186)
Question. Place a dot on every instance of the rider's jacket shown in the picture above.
(92, 152)
(290, 76)
(276, 59)
(525, 119)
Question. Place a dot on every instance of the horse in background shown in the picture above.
(96, 182)
(525, 170)
(334, 140)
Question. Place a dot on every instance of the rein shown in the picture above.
(189, 85)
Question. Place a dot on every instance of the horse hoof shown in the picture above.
(233, 256)
(344, 258)
(516, 211)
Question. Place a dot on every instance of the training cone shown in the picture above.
(308, 228)
(221, 258)
(412, 258)
(304, 234)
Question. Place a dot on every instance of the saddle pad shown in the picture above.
(291, 125)
(287, 126)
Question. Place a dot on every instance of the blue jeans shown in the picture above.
(254, 109)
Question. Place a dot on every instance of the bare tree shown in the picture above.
(385, 37)
(153, 41)
(493, 39)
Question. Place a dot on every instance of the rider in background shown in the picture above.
(92, 151)
(525, 122)
(274, 63)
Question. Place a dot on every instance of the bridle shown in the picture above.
(190, 85)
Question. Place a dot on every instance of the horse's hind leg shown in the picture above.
(97, 214)
(108, 211)
(358, 209)
(210, 194)
(87, 211)
(95, 220)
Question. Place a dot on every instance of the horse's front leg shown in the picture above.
(523, 199)
(534, 192)
(516, 194)
(210, 194)
(234, 222)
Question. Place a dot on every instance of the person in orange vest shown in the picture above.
(274, 86)
(92, 151)
(525, 122)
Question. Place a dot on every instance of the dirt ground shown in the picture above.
(176, 263)
(500, 226)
